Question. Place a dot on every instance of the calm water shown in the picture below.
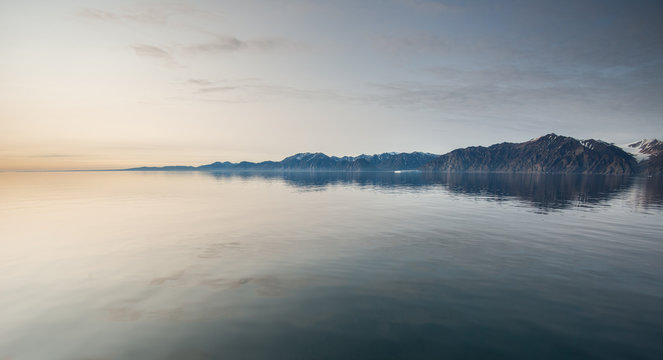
(152, 265)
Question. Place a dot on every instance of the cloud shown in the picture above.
(256, 90)
(147, 14)
(157, 53)
(220, 44)
(97, 14)
(224, 43)
(451, 96)
(151, 51)
(200, 82)
(511, 91)
(538, 91)
(211, 89)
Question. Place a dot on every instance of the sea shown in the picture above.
(329, 265)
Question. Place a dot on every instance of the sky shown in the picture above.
(114, 84)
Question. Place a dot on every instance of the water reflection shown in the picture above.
(165, 265)
(541, 191)
(648, 193)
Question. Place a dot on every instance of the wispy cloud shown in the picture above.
(213, 89)
(155, 52)
(98, 14)
(151, 51)
(173, 54)
(495, 91)
(256, 90)
(452, 96)
(517, 90)
(200, 82)
(225, 43)
(221, 44)
(153, 14)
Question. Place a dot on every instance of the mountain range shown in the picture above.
(547, 154)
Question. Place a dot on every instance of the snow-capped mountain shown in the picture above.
(649, 154)
(642, 150)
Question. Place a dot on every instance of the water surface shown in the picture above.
(159, 265)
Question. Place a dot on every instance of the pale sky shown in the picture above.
(113, 84)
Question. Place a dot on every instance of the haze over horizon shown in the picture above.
(116, 84)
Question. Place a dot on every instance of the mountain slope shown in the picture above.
(649, 153)
(548, 154)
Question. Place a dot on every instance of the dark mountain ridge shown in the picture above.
(547, 154)
(317, 161)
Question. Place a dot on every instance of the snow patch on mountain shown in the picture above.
(587, 144)
(641, 150)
